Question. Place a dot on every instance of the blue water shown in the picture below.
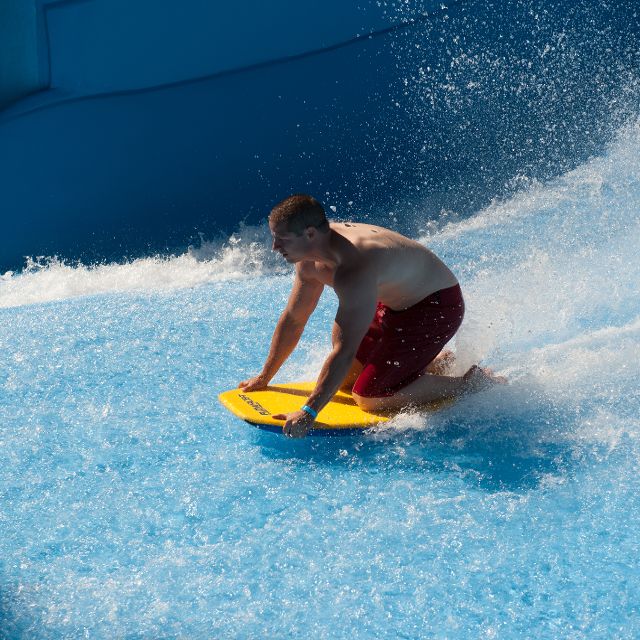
(133, 506)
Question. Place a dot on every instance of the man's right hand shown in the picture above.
(254, 384)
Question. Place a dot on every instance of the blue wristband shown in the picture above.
(307, 409)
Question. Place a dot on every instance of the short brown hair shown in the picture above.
(298, 212)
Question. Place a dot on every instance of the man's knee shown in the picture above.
(370, 391)
(367, 403)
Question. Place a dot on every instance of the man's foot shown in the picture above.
(441, 364)
(478, 378)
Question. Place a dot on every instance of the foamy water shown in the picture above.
(134, 506)
(46, 279)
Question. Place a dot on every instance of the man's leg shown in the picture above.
(428, 388)
(411, 343)
(352, 376)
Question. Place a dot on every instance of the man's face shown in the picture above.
(292, 247)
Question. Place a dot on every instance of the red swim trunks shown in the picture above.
(400, 344)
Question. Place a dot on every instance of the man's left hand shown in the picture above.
(297, 424)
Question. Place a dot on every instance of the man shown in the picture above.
(413, 298)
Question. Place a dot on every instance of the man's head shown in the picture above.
(299, 212)
(295, 224)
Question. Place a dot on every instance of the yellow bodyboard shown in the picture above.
(342, 414)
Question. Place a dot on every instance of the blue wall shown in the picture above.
(153, 132)
(20, 70)
(110, 45)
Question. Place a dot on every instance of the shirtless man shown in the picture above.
(412, 297)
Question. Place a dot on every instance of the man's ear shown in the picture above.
(310, 233)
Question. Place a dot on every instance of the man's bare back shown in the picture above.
(406, 271)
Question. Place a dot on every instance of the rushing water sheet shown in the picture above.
(134, 506)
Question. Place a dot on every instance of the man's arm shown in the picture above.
(303, 300)
(357, 296)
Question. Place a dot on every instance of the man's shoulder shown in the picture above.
(362, 226)
(306, 270)
(372, 239)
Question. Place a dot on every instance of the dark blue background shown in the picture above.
(512, 90)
